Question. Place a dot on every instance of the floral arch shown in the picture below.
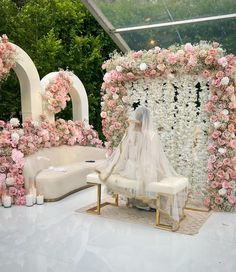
(190, 91)
(74, 87)
(37, 131)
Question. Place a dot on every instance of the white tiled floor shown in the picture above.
(53, 237)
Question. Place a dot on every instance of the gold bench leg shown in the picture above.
(97, 208)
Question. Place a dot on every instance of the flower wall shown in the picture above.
(18, 141)
(191, 93)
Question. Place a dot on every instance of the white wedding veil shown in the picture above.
(139, 156)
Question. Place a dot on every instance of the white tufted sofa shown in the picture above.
(60, 171)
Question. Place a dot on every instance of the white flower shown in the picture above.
(188, 47)
(143, 66)
(15, 122)
(224, 81)
(102, 104)
(217, 124)
(233, 98)
(125, 99)
(15, 137)
(225, 112)
(20, 132)
(115, 96)
(10, 181)
(119, 68)
(221, 150)
(35, 124)
(222, 191)
(157, 49)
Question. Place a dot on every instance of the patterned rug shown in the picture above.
(190, 225)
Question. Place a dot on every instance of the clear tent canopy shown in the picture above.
(143, 24)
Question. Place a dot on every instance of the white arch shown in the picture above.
(78, 96)
(31, 99)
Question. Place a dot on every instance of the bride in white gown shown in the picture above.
(139, 156)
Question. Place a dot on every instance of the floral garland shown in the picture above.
(56, 91)
(7, 57)
(17, 141)
(209, 62)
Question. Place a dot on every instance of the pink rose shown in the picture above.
(17, 155)
(226, 162)
(226, 134)
(220, 174)
(222, 61)
(232, 174)
(226, 184)
(212, 159)
(232, 143)
(130, 75)
(231, 199)
(206, 74)
(210, 176)
(171, 58)
(214, 184)
(231, 128)
(12, 191)
(216, 134)
(221, 142)
(209, 60)
(188, 47)
(218, 200)
(103, 114)
(220, 74)
(214, 98)
(207, 202)
(211, 149)
(117, 125)
(2, 177)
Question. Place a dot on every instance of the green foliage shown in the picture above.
(56, 34)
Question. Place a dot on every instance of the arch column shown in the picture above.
(30, 87)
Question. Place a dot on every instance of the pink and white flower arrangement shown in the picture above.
(32, 137)
(7, 57)
(57, 90)
(208, 60)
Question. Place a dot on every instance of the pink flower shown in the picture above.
(211, 149)
(220, 174)
(218, 200)
(212, 159)
(117, 125)
(171, 58)
(222, 61)
(232, 174)
(209, 60)
(206, 74)
(17, 155)
(207, 202)
(12, 191)
(214, 184)
(103, 114)
(216, 134)
(2, 177)
(226, 184)
(220, 74)
(231, 128)
(188, 47)
(232, 143)
(210, 176)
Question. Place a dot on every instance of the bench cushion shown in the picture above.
(171, 185)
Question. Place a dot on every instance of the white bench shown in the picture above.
(168, 188)
(60, 171)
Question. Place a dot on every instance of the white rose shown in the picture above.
(119, 68)
(21, 132)
(217, 124)
(15, 137)
(225, 112)
(115, 96)
(233, 98)
(10, 181)
(221, 150)
(102, 104)
(143, 66)
(15, 122)
(35, 124)
(222, 191)
(157, 49)
(125, 99)
(224, 81)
